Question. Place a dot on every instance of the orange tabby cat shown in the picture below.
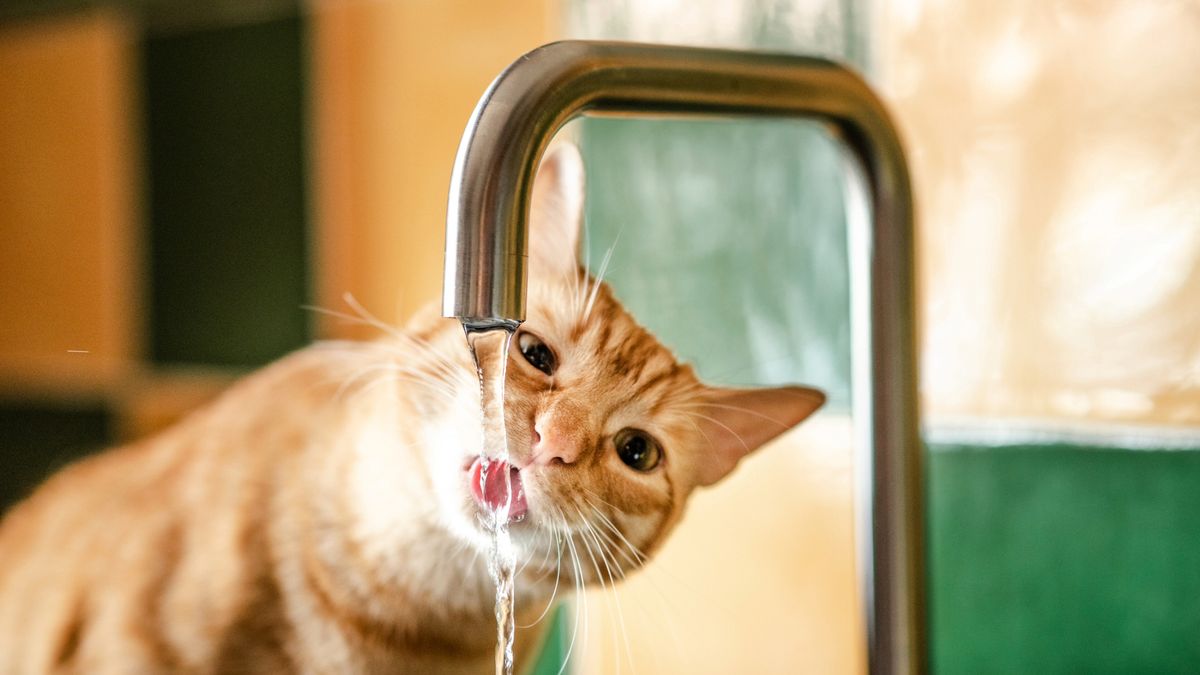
(323, 516)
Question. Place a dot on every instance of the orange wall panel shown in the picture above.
(67, 172)
(393, 86)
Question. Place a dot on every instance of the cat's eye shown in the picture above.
(637, 449)
(536, 352)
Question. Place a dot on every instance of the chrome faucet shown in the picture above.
(486, 233)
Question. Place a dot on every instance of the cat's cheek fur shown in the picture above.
(381, 489)
(446, 443)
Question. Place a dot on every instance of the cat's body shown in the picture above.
(222, 545)
(320, 516)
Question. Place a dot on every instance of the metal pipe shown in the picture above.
(486, 232)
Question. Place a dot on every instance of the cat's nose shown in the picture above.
(552, 446)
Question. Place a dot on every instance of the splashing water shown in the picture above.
(489, 347)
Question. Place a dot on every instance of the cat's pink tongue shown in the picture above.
(493, 492)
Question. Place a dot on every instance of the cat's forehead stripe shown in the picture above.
(606, 328)
(655, 380)
(633, 355)
(628, 348)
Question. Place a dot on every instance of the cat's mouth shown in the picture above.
(492, 486)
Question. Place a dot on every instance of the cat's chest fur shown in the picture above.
(290, 527)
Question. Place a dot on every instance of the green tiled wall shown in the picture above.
(227, 211)
(729, 237)
(1064, 559)
(728, 241)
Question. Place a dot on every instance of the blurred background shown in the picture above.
(181, 181)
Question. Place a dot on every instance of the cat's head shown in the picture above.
(608, 432)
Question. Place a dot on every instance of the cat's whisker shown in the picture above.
(542, 535)
(723, 426)
(632, 554)
(638, 556)
(590, 533)
(587, 312)
(474, 553)
(610, 549)
(637, 559)
(700, 431)
(520, 569)
(573, 291)
(438, 367)
(587, 537)
(555, 544)
(364, 317)
(439, 361)
(588, 546)
(391, 378)
(665, 608)
(445, 369)
(577, 566)
(433, 386)
(352, 380)
(611, 590)
(365, 388)
(748, 411)
(355, 376)
(601, 499)
(358, 320)
(602, 539)
(449, 382)
(557, 547)
(361, 311)
(641, 557)
(554, 592)
(651, 574)
(579, 294)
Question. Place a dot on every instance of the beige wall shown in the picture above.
(1054, 152)
(758, 578)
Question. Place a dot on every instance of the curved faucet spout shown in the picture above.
(486, 235)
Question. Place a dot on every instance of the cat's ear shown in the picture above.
(556, 211)
(736, 422)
